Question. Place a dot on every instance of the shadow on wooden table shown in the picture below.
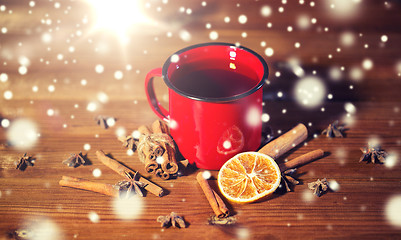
(285, 109)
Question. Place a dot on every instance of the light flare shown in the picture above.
(343, 9)
(118, 16)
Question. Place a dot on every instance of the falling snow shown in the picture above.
(242, 19)
(43, 229)
(310, 92)
(118, 75)
(87, 146)
(99, 68)
(92, 106)
(96, 172)
(311, 89)
(129, 208)
(23, 134)
(347, 39)
(269, 52)
(266, 11)
(393, 211)
(93, 217)
(213, 35)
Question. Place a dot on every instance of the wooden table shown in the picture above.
(51, 76)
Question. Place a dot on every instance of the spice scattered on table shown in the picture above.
(319, 187)
(83, 184)
(24, 162)
(288, 169)
(126, 186)
(75, 160)
(21, 234)
(105, 122)
(302, 160)
(172, 220)
(217, 204)
(373, 154)
(128, 142)
(288, 179)
(215, 220)
(334, 130)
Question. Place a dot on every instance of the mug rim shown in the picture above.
(214, 99)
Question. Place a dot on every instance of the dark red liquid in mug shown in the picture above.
(212, 83)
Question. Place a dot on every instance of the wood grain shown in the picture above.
(61, 85)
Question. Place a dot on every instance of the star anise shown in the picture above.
(373, 154)
(104, 121)
(21, 234)
(172, 220)
(24, 161)
(126, 186)
(128, 142)
(288, 180)
(319, 187)
(333, 130)
(75, 160)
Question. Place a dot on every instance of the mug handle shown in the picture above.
(160, 111)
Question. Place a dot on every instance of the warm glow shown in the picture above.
(118, 15)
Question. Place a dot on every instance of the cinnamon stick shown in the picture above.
(151, 166)
(217, 204)
(285, 142)
(169, 164)
(302, 160)
(162, 174)
(147, 155)
(144, 130)
(123, 171)
(79, 183)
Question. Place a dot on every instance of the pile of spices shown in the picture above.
(157, 151)
(123, 188)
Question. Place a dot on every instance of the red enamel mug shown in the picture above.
(214, 101)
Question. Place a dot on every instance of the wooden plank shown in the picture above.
(61, 83)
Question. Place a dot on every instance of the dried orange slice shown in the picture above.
(248, 176)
